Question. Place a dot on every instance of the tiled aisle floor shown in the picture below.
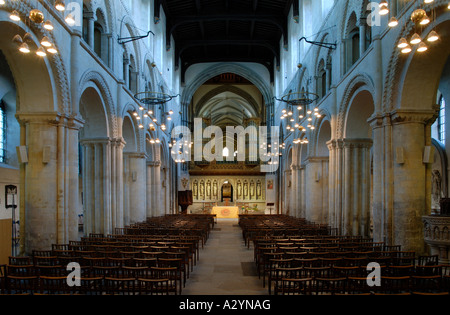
(226, 265)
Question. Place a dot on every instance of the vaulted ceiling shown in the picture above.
(226, 30)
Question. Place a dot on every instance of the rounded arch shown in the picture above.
(359, 82)
(323, 136)
(254, 109)
(130, 135)
(403, 71)
(44, 94)
(93, 111)
(361, 108)
(218, 69)
(93, 78)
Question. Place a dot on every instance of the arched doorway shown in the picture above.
(227, 192)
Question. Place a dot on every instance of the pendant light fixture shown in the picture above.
(35, 17)
(421, 17)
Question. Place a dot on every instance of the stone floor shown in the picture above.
(226, 265)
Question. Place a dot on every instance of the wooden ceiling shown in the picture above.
(226, 30)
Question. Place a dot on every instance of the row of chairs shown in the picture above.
(401, 285)
(132, 264)
(96, 281)
(423, 279)
(315, 262)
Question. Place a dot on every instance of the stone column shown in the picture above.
(102, 187)
(90, 34)
(49, 180)
(316, 189)
(410, 177)
(117, 146)
(335, 181)
(349, 181)
(382, 179)
(135, 191)
(287, 178)
(362, 36)
(295, 195)
(302, 192)
(153, 188)
(356, 199)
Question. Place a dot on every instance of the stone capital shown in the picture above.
(153, 163)
(136, 155)
(358, 143)
(411, 116)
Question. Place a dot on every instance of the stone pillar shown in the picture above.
(316, 184)
(410, 177)
(362, 36)
(295, 195)
(49, 180)
(382, 179)
(97, 186)
(117, 146)
(335, 183)
(287, 178)
(135, 192)
(153, 188)
(356, 199)
(90, 34)
(349, 186)
(302, 192)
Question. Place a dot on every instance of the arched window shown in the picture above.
(322, 85)
(101, 41)
(133, 75)
(352, 42)
(2, 132)
(98, 34)
(355, 39)
(86, 18)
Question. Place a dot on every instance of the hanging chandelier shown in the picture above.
(36, 17)
(421, 17)
(306, 113)
(150, 103)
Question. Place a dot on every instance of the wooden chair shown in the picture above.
(429, 270)
(271, 271)
(358, 285)
(330, 286)
(432, 260)
(346, 272)
(22, 284)
(89, 285)
(394, 285)
(54, 286)
(276, 282)
(170, 273)
(301, 286)
(400, 270)
(20, 261)
(427, 283)
(177, 263)
(3, 279)
(153, 286)
(120, 286)
(21, 270)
